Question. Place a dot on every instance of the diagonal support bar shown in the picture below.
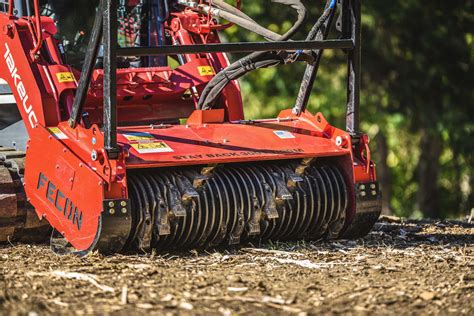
(86, 74)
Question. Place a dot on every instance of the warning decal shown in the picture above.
(56, 132)
(284, 134)
(139, 137)
(65, 77)
(206, 71)
(153, 147)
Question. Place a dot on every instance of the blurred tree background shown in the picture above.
(417, 96)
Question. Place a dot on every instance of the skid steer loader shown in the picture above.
(123, 128)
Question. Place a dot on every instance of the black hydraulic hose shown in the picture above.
(251, 62)
(300, 9)
(320, 31)
(330, 6)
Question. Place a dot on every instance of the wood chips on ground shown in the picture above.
(401, 267)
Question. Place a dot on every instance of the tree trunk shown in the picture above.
(428, 172)
(383, 173)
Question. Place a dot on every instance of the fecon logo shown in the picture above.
(20, 87)
(62, 203)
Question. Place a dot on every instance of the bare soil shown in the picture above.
(400, 268)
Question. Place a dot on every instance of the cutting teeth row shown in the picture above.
(235, 204)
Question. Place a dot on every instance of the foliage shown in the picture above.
(417, 95)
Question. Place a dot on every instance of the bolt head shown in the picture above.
(111, 204)
(124, 210)
(111, 211)
(123, 203)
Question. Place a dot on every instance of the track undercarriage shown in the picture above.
(18, 220)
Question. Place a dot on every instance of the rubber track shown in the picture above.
(235, 204)
(18, 220)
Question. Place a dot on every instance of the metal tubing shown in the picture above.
(110, 40)
(87, 69)
(39, 29)
(353, 86)
(10, 7)
(235, 47)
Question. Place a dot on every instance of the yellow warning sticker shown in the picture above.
(139, 137)
(151, 148)
(65, 77)
(206, 71)
(56, 132)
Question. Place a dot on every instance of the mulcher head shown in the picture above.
(148, 146)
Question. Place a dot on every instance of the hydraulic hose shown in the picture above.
(330, 6)
(320, 31)
(236, 16)
(248, 24)
(231, 9)
(251, 62)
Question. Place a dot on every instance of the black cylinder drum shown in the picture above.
(231, 204)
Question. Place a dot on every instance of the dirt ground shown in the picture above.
(401, 267)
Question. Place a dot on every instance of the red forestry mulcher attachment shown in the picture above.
(137, 137)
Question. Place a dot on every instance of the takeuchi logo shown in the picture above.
(20, 87)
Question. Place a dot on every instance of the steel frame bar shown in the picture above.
(235, 47)
(352, 25)
(110, 43)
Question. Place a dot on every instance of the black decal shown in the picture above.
(77, 218)
(50, 191)
(41, 180)
(60, 201)
(59, 196)
(65, 206)
(71, 210)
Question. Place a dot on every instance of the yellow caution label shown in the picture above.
(150, 148)
(206, 71)
(65, 77)
(139, 137)
(56, 132)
